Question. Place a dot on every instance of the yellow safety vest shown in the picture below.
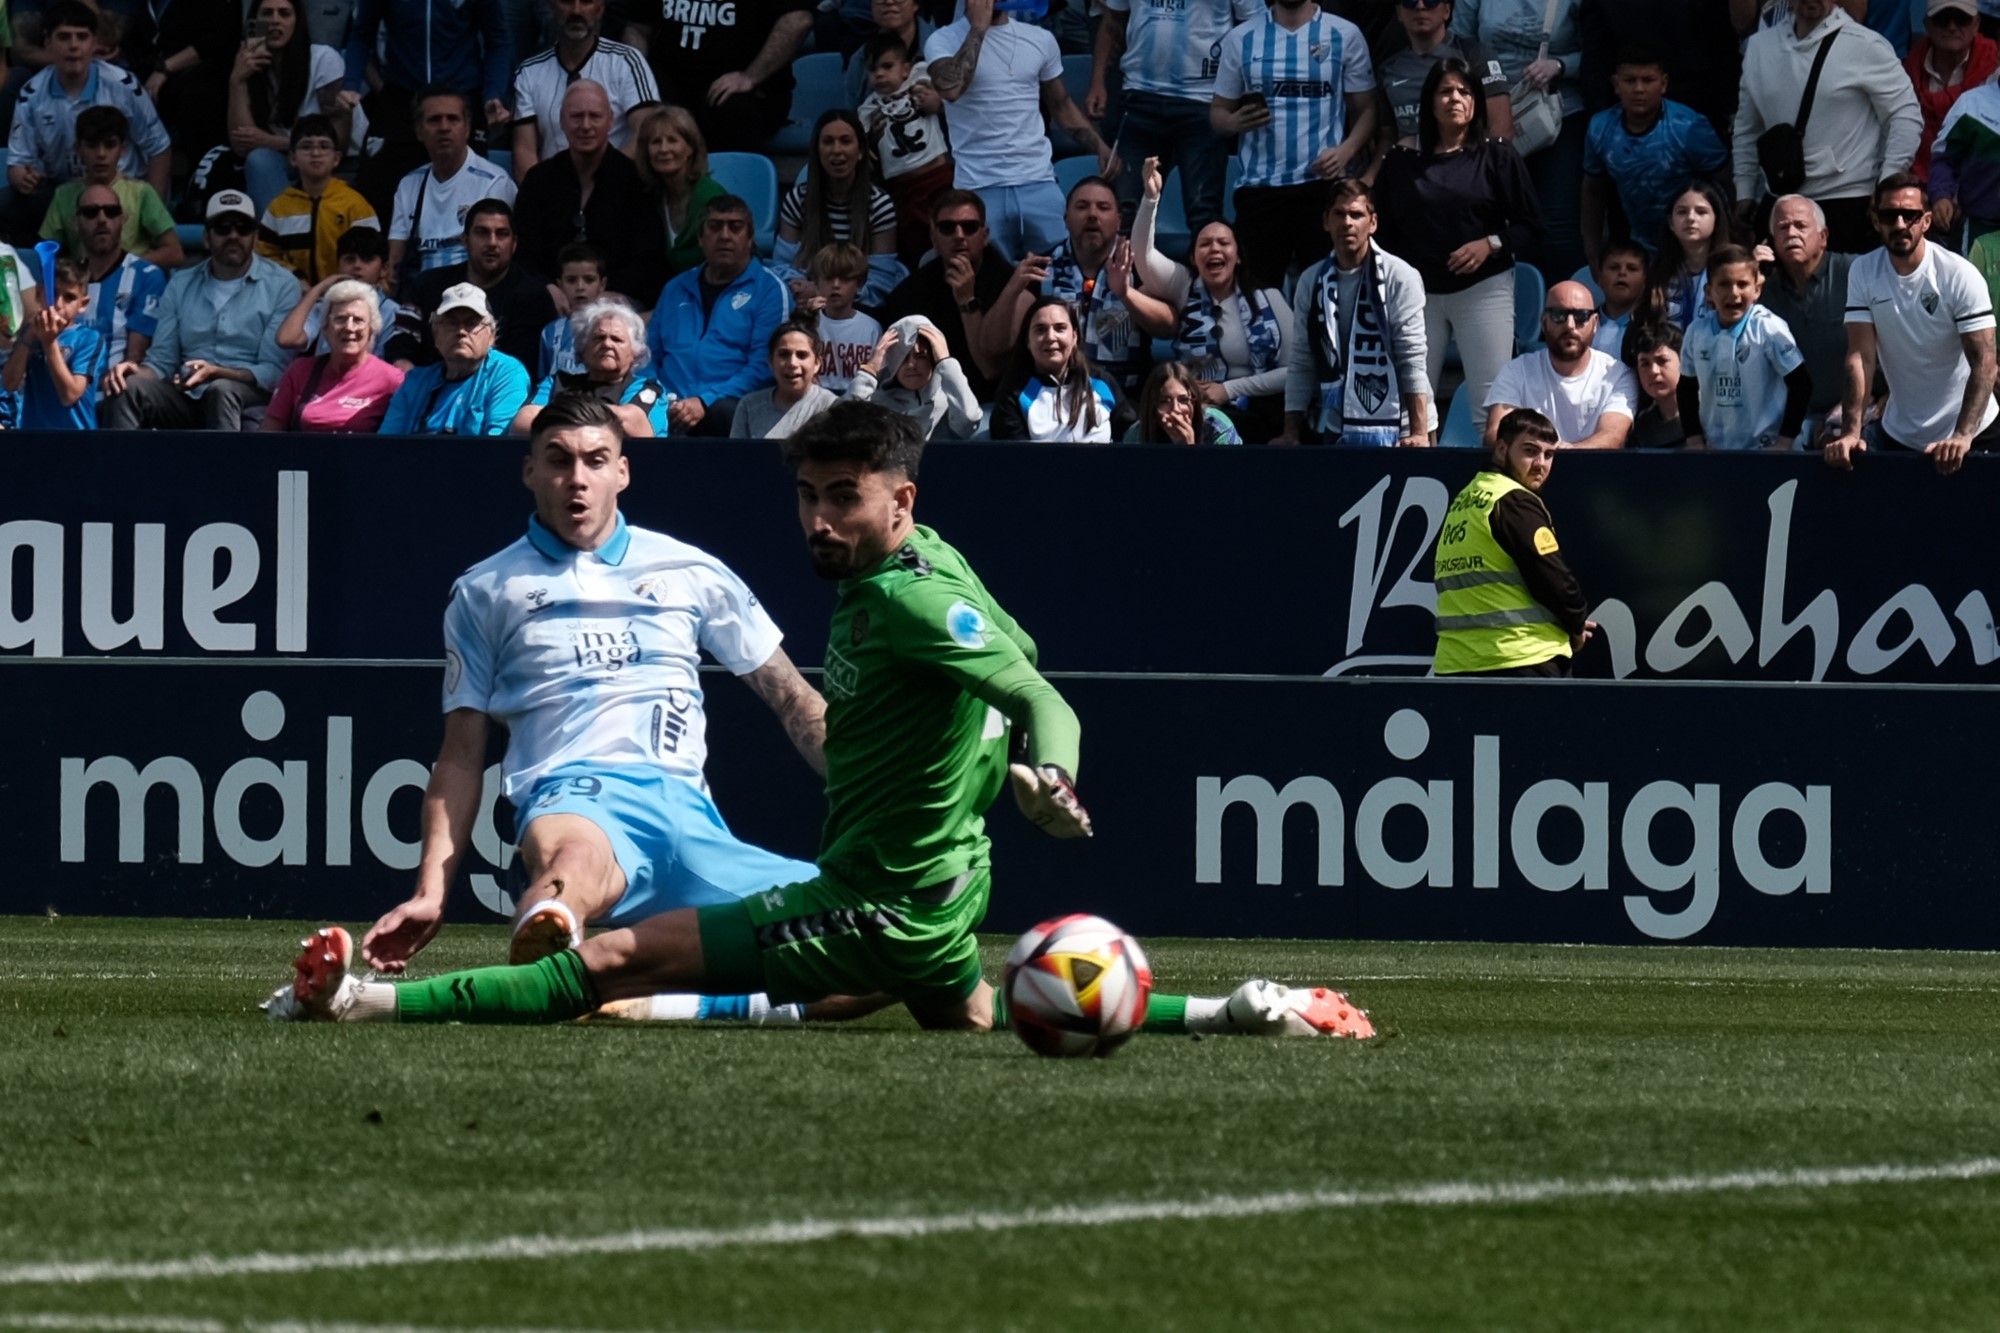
(1486, 620)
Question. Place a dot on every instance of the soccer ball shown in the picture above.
(1076, 985)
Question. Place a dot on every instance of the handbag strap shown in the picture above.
(1549, 25)
(1812, 84)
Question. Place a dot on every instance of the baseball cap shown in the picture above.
(1962, 6)
(224, 202)
(464, 296)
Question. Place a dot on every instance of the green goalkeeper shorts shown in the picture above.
(819, 937)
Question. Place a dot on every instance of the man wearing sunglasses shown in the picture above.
(958, 289)
(1587, 394)
(214, 353)
(1925, 317)
(124, 289)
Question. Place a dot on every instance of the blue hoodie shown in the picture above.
(722, 354)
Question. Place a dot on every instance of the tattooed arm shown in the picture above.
(952, 76)
(797, 704)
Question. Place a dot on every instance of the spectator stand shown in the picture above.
(821, 85)
(753, 178)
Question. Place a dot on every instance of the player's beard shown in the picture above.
(830, 560)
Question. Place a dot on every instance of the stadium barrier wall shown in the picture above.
(1290, 562)
(1740, 814)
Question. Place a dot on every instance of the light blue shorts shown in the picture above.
(667, 836)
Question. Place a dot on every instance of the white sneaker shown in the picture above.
(322, 989)
(1267, 1009)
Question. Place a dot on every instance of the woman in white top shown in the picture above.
(1234, 339)
(795, 397)
(1051, 392)
(280, 75)
(836, 199)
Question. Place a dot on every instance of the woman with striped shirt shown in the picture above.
(837, 199)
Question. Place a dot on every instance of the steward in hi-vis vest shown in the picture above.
(1507, 604)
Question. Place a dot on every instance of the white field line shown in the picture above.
(1442, 1194)
(112, 1323)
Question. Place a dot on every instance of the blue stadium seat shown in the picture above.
(1170, 231)
(1070, 170)
(1076, 78)
(502, 158)
(1529, 294)
(822, 85)
(751, 176)
(1589, 279)
(192, 237)
(1459, 430)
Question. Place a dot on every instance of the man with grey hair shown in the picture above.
(582, 53)
(591, 192)
(611, 344)
(1808, 290)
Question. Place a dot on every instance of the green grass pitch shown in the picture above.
(1460, 1171)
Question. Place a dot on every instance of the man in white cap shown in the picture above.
(473, 389)
(214, 353)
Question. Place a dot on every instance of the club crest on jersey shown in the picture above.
(652, 587)
(965, 625)
(1929, 301)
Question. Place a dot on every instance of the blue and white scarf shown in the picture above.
(1108, 334)
(1198, 340)
(1360, 400)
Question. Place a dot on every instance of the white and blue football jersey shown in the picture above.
(593, 656)
(1173, 47)
(1741, 371)
(1305, 77)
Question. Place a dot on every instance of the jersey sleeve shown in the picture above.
(1621, 392)
(1507, 387)
(1229, 68)
(1857, 297)
(1971, 301)
(951, 626)
(1052, 66)
(735, 628)
(468, 652)
(1357, 75)
(1782, 348)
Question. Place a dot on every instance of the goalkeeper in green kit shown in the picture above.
(925, 677)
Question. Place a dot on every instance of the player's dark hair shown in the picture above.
(430, 90)
(580, 252)
(805, 327)
(1086, 182)
(103, 124)
(362, 243)
(314, 126)
(728, 206)
(1427, 120)
(71, 274)
(486, 208)
(566, 410)
(880, 44)
(68, 14)
(1646, 336)
(1901, 180)
(1728, 255)
(856, 432)
(1526, 423)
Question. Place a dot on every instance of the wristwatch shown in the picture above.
(972, 307)
(1497, 244)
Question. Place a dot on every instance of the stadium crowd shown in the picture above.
(1728, 224)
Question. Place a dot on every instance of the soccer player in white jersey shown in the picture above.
(1171, 51)
(582, 640)
(1296, 85)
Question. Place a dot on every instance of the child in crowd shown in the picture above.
(57, 360)
(847, 336)
(913, 372)
(302, 227)
(580, 273)
(1698, 222)
(1732, 363)
(775, 413)
(1653, 351)
(1646, 148)
(902, 117)
(1171, 411)
(361, 253)
(101, 134)
(1620, 272)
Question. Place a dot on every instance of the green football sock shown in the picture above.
(553, 990)
(1164, 1013)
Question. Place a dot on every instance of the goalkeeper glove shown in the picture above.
(1048, 798)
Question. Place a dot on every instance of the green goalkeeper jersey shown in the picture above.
(924, 672)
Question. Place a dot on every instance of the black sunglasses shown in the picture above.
(1907, 216)
(1559, 315)
(957, 226)
(1955, 18)
(233, 227)
(100, 211)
